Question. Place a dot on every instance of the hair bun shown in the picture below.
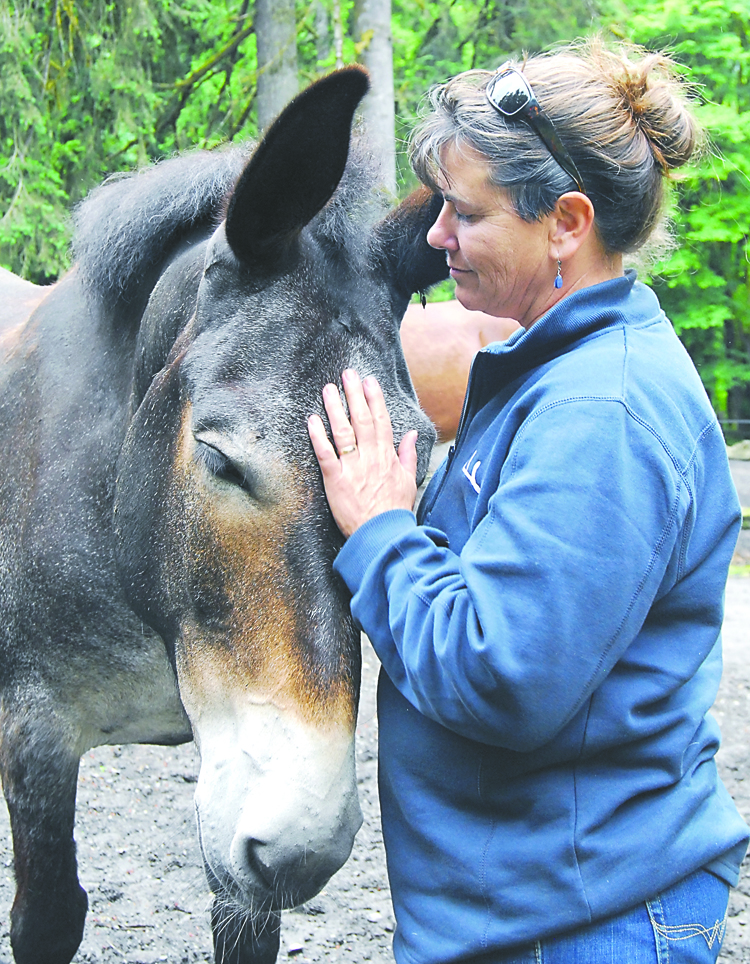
(650, 90)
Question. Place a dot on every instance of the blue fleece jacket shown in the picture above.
(549, 630)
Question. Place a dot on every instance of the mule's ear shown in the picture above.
(295, 169)
(402, 237)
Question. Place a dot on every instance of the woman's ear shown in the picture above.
(571, 222)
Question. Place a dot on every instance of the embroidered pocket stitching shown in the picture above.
(683, 932)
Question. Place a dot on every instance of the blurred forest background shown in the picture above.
(92, 87)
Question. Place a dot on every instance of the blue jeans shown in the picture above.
(683, 925)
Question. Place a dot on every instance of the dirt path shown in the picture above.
(140, 863)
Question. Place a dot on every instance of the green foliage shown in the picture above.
(434, 39)
(90, 87)
(705, 285)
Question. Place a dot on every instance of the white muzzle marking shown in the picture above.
(276, 803)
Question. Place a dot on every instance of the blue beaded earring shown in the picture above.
(558, 279)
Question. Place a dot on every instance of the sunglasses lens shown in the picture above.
(508, 93)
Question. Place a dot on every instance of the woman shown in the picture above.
(549, 623)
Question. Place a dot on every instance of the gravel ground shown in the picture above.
(140, 863)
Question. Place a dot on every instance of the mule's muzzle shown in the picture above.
(277, 808)
(292, 878)
(270, 876)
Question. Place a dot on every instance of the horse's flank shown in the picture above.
(18, 299)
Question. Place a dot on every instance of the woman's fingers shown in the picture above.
(342, 431)
(359, 409)
(378, 410)
(407, 453)
(362, 474)
(324, 451)
(368, 419)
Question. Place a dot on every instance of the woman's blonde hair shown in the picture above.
(622, 112)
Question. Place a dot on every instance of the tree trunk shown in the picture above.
(276, 36)
(322, 31)
(372, 32)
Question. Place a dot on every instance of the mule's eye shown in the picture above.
(220, 466)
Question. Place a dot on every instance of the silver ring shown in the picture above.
(348, 450)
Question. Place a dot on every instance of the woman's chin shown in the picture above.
(468, 299)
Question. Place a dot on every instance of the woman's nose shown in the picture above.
(440, 234)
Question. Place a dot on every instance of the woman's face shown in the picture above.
(501, 264)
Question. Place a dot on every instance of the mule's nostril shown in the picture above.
(290, 876)
(254, 849)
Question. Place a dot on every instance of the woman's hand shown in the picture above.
(366, 477)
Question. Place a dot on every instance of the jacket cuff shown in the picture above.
(363, 546)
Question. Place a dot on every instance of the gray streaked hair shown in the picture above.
(623, 114)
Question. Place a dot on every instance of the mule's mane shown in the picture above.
(126, 227)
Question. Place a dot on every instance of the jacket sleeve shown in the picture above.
(504, 641)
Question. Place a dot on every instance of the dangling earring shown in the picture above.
(558, 279)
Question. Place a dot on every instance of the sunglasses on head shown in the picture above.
(511, 95)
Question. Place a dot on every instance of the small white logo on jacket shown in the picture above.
(470, 470)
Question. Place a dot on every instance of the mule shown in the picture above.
(165, 545)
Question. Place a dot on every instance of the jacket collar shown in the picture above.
(610, 304)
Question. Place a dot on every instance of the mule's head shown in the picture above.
(226, 542)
